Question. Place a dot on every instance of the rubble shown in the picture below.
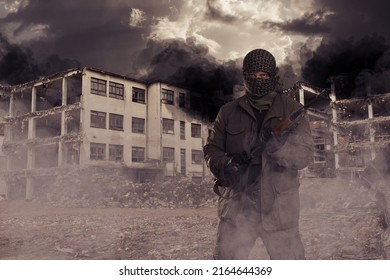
(339, 220)
(111, 187)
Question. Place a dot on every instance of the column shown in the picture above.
(64, 93)
(302, 96)
(30, 150)
(334, 120)
(372, 131)
(9, 138)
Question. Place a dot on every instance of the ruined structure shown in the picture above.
(361, 130)
(87, 117)
(319, 115)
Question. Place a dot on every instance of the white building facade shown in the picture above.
(88, 117)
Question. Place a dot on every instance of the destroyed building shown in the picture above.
(154, 130)
(360, 128)
(87, 117)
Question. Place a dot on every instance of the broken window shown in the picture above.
(98, 86)
(167, 96)
(168, 126)
(98, 119)
(48, 126)
(116, 90)
(196, 130)
(182, 130)
(168, 154)
(196, 156)
(115, 152)
(46, 156)
(137, 125)
(98, 151)
(138, 95)
(319, 149)
(137, 154)
(116, 122)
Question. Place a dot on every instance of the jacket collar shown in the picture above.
(274, 111)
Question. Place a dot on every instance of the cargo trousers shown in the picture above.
(238, 232)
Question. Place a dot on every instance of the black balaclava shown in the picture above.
(256, 61)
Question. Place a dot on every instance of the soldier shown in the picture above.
(259, 194)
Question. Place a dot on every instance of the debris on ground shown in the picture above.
(339, 220)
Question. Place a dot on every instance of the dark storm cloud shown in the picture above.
(356, 18)
(347, 58)
(17, 65)
(188, 64)
(96, 33)
(355, 41)
(308, 24)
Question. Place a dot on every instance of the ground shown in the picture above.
(339, 220)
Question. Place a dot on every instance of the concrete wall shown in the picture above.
(153, 111)
(125, 107)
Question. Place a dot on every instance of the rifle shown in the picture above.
(282, 128)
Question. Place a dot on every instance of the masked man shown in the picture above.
(258, 191)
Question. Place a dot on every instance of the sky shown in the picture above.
(196, 41)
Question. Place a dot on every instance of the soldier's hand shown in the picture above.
(238, 160)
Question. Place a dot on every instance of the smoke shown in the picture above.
(17, 65)
(102, 35)
(363, 61)
(188, 64)
(352, 45)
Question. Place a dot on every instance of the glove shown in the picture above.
(236, 161)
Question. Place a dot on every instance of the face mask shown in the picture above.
(257, 88)
(259, 60)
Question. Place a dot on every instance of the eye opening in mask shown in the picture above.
(258, 75)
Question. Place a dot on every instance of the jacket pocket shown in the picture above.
(283, 211)
(235, 138)
(285, 181)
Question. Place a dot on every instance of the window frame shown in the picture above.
(100, 118)
(182, 130)
(138, 95)
(196, 130)
(116, 90)
(97, 156)
(168, 122)
(196, 156)
(133, 126)
(168, 154)
(98, 86)
(114, 156)
(135, 152)
(113, 122)
(167, 96)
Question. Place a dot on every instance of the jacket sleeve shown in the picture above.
(214, 150)
(298, 149)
